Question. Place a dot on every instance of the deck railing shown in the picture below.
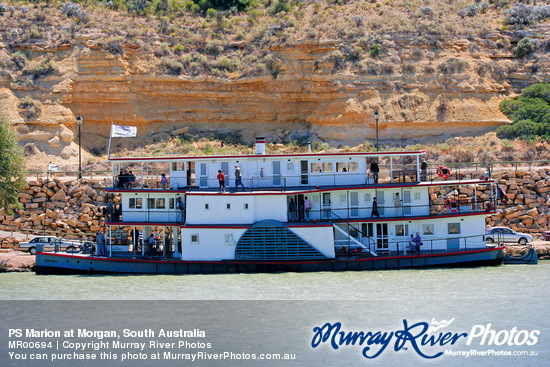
(286, 182)
(381, 246)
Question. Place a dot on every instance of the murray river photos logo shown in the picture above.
(425, 339)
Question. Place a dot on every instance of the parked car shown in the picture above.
(506, 235)
(49, 243)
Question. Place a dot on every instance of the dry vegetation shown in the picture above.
(183, 39)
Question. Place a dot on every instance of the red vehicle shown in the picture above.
(547, 236)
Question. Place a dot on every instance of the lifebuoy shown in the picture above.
(443, 172)
(451, 205)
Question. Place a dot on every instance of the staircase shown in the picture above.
(353, 240)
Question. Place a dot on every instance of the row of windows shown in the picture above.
(328, 167)
(229, 239)
(152, 203)
(160, 203)
(427, 229)
(317, 167)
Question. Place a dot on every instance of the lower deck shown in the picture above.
(64, 263)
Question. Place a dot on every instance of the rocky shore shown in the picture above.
(54, 207)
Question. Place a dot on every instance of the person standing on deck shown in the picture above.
(307, 207)
(238, 179)
(100, 243)
(180, 207)
(292, 210)
(417, 243)
(131, 179)
(221, 180)
(151, 244)
(375, 209)
(374, 169)
(423, 170)
(163, 181)
(300, 208)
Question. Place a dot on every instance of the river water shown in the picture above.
(506, 297)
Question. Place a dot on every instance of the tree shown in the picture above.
(12, 166)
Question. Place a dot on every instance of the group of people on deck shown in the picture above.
(125, 179)
(238, 179)
(299, 211)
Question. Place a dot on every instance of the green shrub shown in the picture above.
(172, 67)
(179, 48)
(374, 50)
(530, 114)
(525, 47)
(19, 59)
(29, 108)
(453, 66)
(41, 67)
(224, 63)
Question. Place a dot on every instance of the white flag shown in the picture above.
(53, 167)
(123, 131)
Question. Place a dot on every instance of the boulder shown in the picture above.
(59, 196)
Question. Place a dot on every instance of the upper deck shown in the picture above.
(270, 172)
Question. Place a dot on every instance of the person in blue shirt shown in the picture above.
(417, 243)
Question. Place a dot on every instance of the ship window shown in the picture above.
(367, 230)
(327, 167)
(342, 198)
(353, 167)
(290, 166)
(161, 203)
(195, 238)
(315, 198)
(228, 206)
(206, 206)
(341, 166)
(136, 203)
(427, 229)
(401, 230)
(245, 206)
(316, 168)
(171, 203)
(178, 166)
(416, 196)
(454, 228)
(151, 203)
(367, 198)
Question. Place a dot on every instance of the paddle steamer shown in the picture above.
(264, 225)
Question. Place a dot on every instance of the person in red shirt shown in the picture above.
(221, 179)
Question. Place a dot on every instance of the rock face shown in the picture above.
(430, 97)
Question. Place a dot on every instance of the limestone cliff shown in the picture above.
(423, 92)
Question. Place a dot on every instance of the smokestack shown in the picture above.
(260, 145)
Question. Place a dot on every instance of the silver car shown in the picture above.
(506, 235)
(49, 243)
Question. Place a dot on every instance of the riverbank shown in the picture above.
(16, 261)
